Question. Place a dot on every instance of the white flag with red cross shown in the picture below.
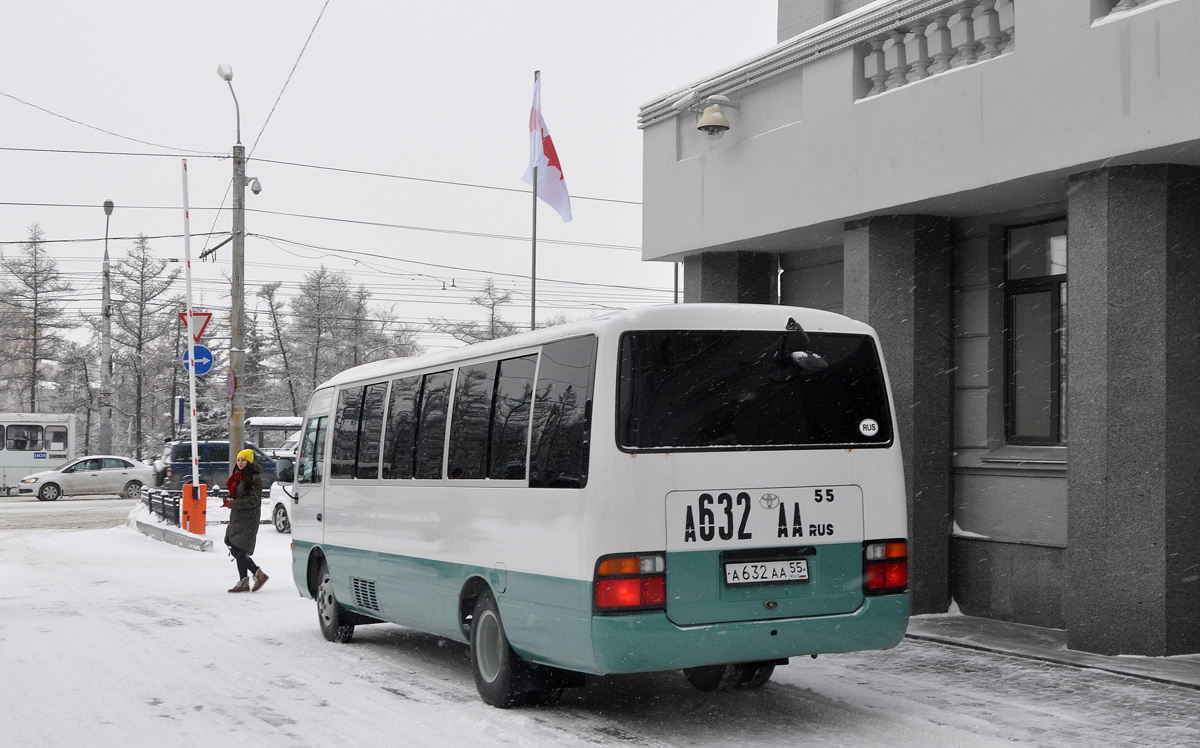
(551, 187)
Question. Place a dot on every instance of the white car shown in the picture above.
(277, 507)
(107, 475)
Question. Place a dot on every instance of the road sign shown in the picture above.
(203, 318)
(204, 359)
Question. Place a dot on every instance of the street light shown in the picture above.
(237, 353)
(106, 424)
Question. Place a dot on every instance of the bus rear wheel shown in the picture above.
(330, 615)
(492, 659)
(712, 677)
(734, 675)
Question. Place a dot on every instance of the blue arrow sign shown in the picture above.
(204, 359)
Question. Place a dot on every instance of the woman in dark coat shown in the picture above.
(245, 497)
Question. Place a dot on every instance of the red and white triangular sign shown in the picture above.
(196, 317)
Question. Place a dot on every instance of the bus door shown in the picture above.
(308, 502)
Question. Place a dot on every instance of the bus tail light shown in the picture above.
(885, 567)
(633, 582)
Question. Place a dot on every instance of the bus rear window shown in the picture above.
(739, 390)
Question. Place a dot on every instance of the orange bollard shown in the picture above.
(185, 508)
(193, 510)
(200, 511)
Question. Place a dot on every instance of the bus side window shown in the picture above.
(344, 449)
(312, 451)
(469, 425)
(2, 444)
(562, 414)
(24, 438)
(56, 438)
(509, 440)
(371, 431)
(400, 443)
(431, 428)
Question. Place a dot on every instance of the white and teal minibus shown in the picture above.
(712, 488)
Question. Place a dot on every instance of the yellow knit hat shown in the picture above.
(246, 454)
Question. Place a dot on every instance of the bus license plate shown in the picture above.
(765, 572)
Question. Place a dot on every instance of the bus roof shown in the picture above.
(661, 317)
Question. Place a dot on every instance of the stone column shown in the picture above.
(1133, 374)
(731, 277)
(899, 274)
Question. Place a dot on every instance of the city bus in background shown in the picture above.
(270, 433)
(31, 442)
(711, 488)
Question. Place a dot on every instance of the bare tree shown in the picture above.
(277, 338)
(319, 309)
(491, 299)
(144, 315)
(77, 392)
(33, 296)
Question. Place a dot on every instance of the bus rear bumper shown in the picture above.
(650, 642)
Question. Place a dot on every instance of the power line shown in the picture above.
(360, 253)
(78, 152)
(319, 167)
(289, 78)
(453, 232)
(434, 181)
(334, 219)
(93, 127)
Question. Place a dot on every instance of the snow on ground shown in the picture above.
(111, 639)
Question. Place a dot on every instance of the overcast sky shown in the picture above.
(423, 92)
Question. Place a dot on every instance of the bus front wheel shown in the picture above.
(331, 616)
(492, 658)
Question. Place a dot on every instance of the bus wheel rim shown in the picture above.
(489, 646)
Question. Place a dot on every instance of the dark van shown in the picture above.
(214, 464)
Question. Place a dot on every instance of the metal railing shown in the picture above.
(163, 504)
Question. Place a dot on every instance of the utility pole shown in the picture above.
(237, 327)
(237, 348)
(106, 424)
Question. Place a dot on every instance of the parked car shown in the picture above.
(214, 464)
(277, 507)
(93, 475)
(289, 448)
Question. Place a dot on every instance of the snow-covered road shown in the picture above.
(111, 639)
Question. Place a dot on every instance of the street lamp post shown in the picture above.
(237, 353)
(106, 424)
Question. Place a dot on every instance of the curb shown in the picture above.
(158, 532)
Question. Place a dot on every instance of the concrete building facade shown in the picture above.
(1009, 192)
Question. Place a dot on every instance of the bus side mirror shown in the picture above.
(285, 470)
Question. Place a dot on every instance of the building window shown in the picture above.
(1035, 295)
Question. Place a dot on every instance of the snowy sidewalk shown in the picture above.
(1048, 645)
(955, 629)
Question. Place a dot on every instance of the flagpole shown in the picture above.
(533, 249)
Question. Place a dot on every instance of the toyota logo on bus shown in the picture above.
(768, 501)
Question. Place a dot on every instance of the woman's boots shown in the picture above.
(243, 585)
(259, 580)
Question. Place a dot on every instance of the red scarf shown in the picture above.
(232, 483)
